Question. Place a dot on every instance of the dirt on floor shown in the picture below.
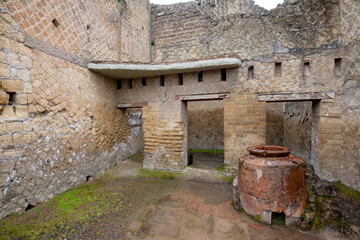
(132, 203)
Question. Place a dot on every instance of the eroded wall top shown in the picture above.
(203, 29)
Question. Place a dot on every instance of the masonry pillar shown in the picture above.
(165, 135)
(326, 155)
(244, 126)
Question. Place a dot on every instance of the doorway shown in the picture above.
(205, 134)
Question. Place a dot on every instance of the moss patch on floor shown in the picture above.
(162, 174)
(70, 214)
(206, 151)
(137, 157)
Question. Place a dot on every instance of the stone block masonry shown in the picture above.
(59, 124)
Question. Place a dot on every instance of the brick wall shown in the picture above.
(164, 140)
(244, 126)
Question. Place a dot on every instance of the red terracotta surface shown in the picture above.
(272, 184)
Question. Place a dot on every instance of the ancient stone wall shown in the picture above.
(289, 124)
(165, 118)
(206, 125)
(297, 128)
(98, 30)
(275, 124)
(135, 31)
(301, 46)
(350, 106)
(59, 124)
(199, 30)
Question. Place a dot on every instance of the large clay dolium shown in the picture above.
(272, 180)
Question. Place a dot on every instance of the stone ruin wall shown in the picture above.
(165, 118)
(318, 31)
(350, 104)
(59, 125)
(290, 125)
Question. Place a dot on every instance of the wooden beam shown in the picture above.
(203, 97)
(291, 97)
(132, 105)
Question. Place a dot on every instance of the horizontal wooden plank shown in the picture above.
(203, 97)
(132, 105)
(291, 97)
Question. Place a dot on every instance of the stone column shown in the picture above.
(244, 126)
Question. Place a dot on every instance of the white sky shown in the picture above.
(268, 4)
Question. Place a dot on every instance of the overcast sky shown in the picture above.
(268, 4)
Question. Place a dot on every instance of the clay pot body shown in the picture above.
(272, 180)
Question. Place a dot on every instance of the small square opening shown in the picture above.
(118, 84)
(180, 79)
(143, 82)
(223, 74)
(337, 66)
(55, 22)
(251, 74)
(278, 69)
(200, 76)
(162, 80)
(307, 68)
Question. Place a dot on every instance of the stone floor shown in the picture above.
(195, 205)
(200, 208)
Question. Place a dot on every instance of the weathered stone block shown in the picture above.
(21, 99)
(4, 42)
(14, 127)
(24, 50)
(22, 112)
(9, 153)
(8, 85)
(4, 98)
(4, 179)
(5, 140)
(4, 70)
(7, 166)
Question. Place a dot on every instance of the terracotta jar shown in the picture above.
(271, 180)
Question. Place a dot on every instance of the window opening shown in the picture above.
(180, 79)
(223, 74)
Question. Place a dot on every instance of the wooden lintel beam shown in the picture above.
(203, 97)
(132, 105)
(291, 97)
